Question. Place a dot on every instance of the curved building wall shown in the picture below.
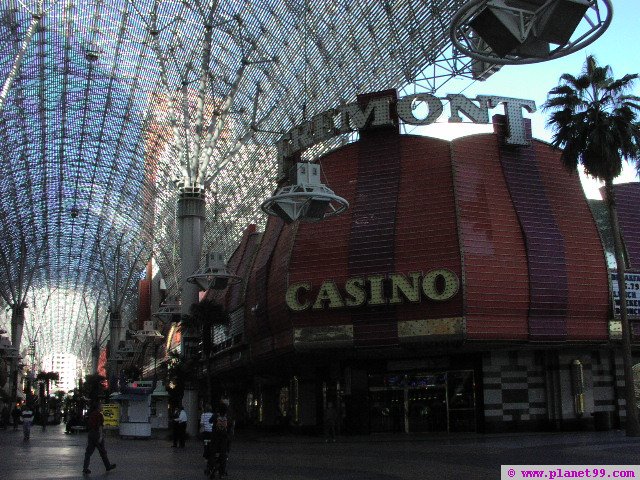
(510, 223)
(496, 280)
(514, 228)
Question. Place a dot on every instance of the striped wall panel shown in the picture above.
(496, 282)
(548, 282)
(514, 387)
(242, 267)
(628, 206)
(372, 239)
(238, 264)
(256, 318)
(588, 292)
(426, 229)
(320, 251)
(277, 312)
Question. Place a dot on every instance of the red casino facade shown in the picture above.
(465, 289)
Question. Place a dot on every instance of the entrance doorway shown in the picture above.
(424, 402)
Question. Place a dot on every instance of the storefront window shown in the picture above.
(422, 402)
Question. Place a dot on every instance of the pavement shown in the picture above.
(54, 455)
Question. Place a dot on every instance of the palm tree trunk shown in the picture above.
(633, 426)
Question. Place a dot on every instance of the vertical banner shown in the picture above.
(632, 281)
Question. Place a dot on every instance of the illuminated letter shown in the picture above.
(323, 126)
(405, 109)
(516, 134)
(284, 149)
(377, 290)
(355, 291)
(410, 290)
(302, 136)
(449, 287)
(328, 292)
(379, 107)
(292, 297)
(460, 103)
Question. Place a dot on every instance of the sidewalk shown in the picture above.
(52, 455)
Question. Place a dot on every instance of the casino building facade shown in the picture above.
(465, 289)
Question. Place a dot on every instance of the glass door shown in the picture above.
(461, 401)
(427, 403)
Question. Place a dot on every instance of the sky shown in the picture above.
(616, 48)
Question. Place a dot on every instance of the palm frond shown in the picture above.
(594, 121)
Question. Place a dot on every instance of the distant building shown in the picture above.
(66, 364)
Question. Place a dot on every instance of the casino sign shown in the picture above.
(374, 290)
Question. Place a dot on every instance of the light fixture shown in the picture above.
(560, 19)
(215, 275)
(169, 310)
(308, 199)
(527, 31)
(499, 27)
(148, 332)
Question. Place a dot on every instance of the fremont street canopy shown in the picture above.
(115, 107)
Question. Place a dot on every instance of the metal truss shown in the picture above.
(114, 106)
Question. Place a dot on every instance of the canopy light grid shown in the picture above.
(118, 104)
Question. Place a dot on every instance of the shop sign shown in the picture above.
(375, 290)
(632, 282)
(377, 113)
(111, 414)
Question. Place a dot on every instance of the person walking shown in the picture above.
(4, 417)
(95, 439)
(15, 415)
(330, 420)
(27, 420)
(175, 427)
(206, 428)
(222, 427)
(182, 426)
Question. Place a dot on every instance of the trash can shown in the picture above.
(602, 421)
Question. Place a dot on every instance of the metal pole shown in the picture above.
(191, 210)
(13, 73)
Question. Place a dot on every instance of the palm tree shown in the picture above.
(46, 378)
(93, 387)
(596, 124)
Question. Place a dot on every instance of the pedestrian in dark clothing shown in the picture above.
(222, 429)
(180, 428)
(95, 439)
(175, 427)
(4, 417)
(15, 415)
(330, 420)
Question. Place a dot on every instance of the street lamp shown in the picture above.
(169, 310)
(306, 198)
(215, 275)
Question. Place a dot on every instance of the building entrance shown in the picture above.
(424, 402)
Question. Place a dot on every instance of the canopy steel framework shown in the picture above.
(109, 109)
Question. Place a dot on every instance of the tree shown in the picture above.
(179, 371)
(595, 122)
(93, 387)
(46, 378)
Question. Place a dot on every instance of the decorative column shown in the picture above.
(191, 211)
(17, 322)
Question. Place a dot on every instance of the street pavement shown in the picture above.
(54, 455)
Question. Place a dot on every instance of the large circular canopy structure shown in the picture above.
(109, 109)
